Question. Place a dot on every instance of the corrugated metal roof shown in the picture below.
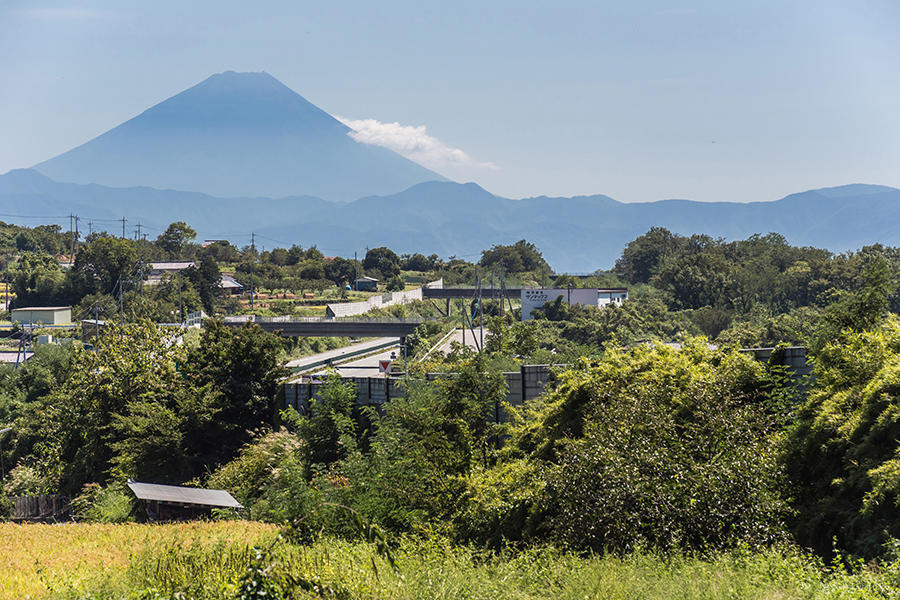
(230, 282)
(183, 495)
(37, 308)
(172, 266)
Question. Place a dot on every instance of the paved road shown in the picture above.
(301, 364)
(368, 366)
(457, 337)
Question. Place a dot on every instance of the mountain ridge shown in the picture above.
(576, 234)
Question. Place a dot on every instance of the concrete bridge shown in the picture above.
(312, 327)
(448, 293)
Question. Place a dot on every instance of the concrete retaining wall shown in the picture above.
(526, 384)
(350, 309)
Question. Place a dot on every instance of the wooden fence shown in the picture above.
(41, 508)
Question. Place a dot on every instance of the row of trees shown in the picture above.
(106, 268)
(642, 446)
(140, 404)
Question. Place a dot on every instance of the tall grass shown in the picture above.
(37, 560)
(219, 560)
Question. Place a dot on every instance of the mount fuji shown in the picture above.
(238, 134)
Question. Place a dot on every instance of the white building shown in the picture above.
(611, 296)
(535, 298)
(35, 316)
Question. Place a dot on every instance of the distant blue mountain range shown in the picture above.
(576, 234)
(241, 153)
(238, 134)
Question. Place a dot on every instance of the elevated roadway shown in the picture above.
(332, 327)
(450, 293)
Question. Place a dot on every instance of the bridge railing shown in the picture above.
(289, 319)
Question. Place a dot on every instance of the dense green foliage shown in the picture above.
(657, 434)
(844, 455)
(142, 405)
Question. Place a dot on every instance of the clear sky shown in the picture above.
(711, 100)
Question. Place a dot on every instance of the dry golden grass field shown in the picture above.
(37, 559)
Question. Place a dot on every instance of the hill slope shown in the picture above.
(238, 134)
(576, 234)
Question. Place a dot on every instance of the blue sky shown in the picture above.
(733, 101)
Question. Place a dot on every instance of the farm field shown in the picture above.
(208, 560)
(40, 561)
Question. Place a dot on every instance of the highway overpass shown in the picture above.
(310, 327)
(449, 293)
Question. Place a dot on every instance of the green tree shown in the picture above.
(843, 454)
(657, 447)
(329, 430)
(80, 432)
(243, 365)
(643, 256)
(383, 260)
(207, 281)
(176, 236)
(37, 279)
(695, 280)
(340, 271)
(515, 258)
(104, 265)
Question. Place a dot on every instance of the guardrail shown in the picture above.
(289, 319)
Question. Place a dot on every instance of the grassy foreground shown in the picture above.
(209, 560)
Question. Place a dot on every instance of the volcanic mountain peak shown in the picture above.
(238, 134)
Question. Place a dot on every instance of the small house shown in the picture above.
(91, 328)
(231, 286)
(36, 316)
(158, 270)
(179, 503)
(366, 284)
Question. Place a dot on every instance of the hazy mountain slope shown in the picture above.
(576, 234)
(238, 134)
(27, 192)
(584, 233)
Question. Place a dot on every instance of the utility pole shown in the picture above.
(123, 228)
(252, 262)
(356, 271)
(462, 312)
(502, 295)
(76, 233)
(90, 228)
(180, 303)
(137, 229)
(480, 318)
(72, 242)
(121, 302)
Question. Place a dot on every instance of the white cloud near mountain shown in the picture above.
(413, 142)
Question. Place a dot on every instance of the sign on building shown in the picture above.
(535, 298)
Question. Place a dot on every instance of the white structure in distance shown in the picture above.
(535, 298)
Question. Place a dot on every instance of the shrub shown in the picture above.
(499, 503)
(268, 477)
(843, 456)
(660, 448)
(111, 504)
